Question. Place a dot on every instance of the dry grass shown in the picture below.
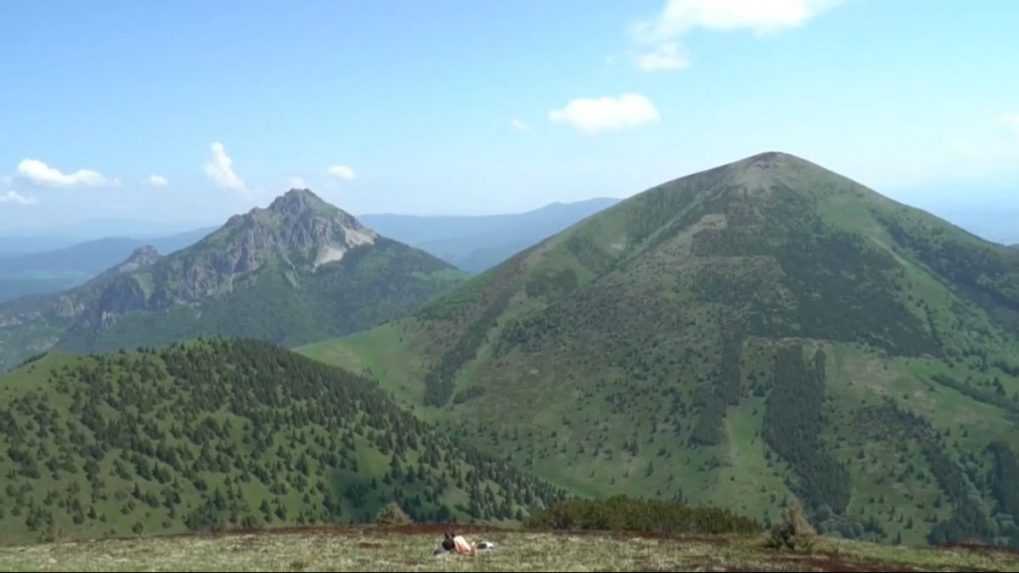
(379, 550)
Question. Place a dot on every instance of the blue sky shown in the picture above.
(182, 113)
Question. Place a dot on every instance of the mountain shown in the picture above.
(13, 245)
(760, 331)
(64, 268)
(478, 243)
(212, 434)
(298, 271)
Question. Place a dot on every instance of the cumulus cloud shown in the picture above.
(341, 172)
(759, 16)
(297, 183)
(679, 17)
(520, 125)
(157, 181)
(597, 115)
(667, 57)
(38, 173)
(17, 198)
(220, 169)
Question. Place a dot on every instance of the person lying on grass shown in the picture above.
(453, 543)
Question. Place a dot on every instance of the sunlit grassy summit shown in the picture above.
(760, 331)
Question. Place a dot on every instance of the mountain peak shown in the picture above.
(144, 252)
(299, 200)
(764, 173)
(775, 161)
(298, 226)
(775, 156)
(141, 257)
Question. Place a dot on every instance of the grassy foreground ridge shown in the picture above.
(410, 550)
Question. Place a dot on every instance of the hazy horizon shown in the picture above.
(991, 220)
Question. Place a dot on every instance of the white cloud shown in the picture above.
(679, 17)
(520, 125)
(220, 169)
(157, 181)
(342, 172)
(593, 116)
(38, 173)
(297, 183)
(667, 57)
(759, 16)
(17, 198)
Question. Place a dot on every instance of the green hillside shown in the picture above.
(216, 434)
(298, 271)
(759, 331)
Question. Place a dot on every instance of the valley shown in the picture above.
(759, 333)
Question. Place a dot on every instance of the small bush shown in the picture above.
(392, 515)
(794, 532)
(625, 514)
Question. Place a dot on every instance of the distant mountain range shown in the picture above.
(299, 271)
(67, 267)
(477, 243)
(13, 245)
(756, 332)
(471, 243)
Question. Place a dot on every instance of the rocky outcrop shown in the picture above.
(141, 257)
(298, 269)
(298, 231)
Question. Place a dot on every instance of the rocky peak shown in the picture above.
(141, 257)
(297, 227)
(298, 201)
(321, 232)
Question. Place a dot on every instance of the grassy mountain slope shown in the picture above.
(758, 331)
(299, 271)
(216, 434)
